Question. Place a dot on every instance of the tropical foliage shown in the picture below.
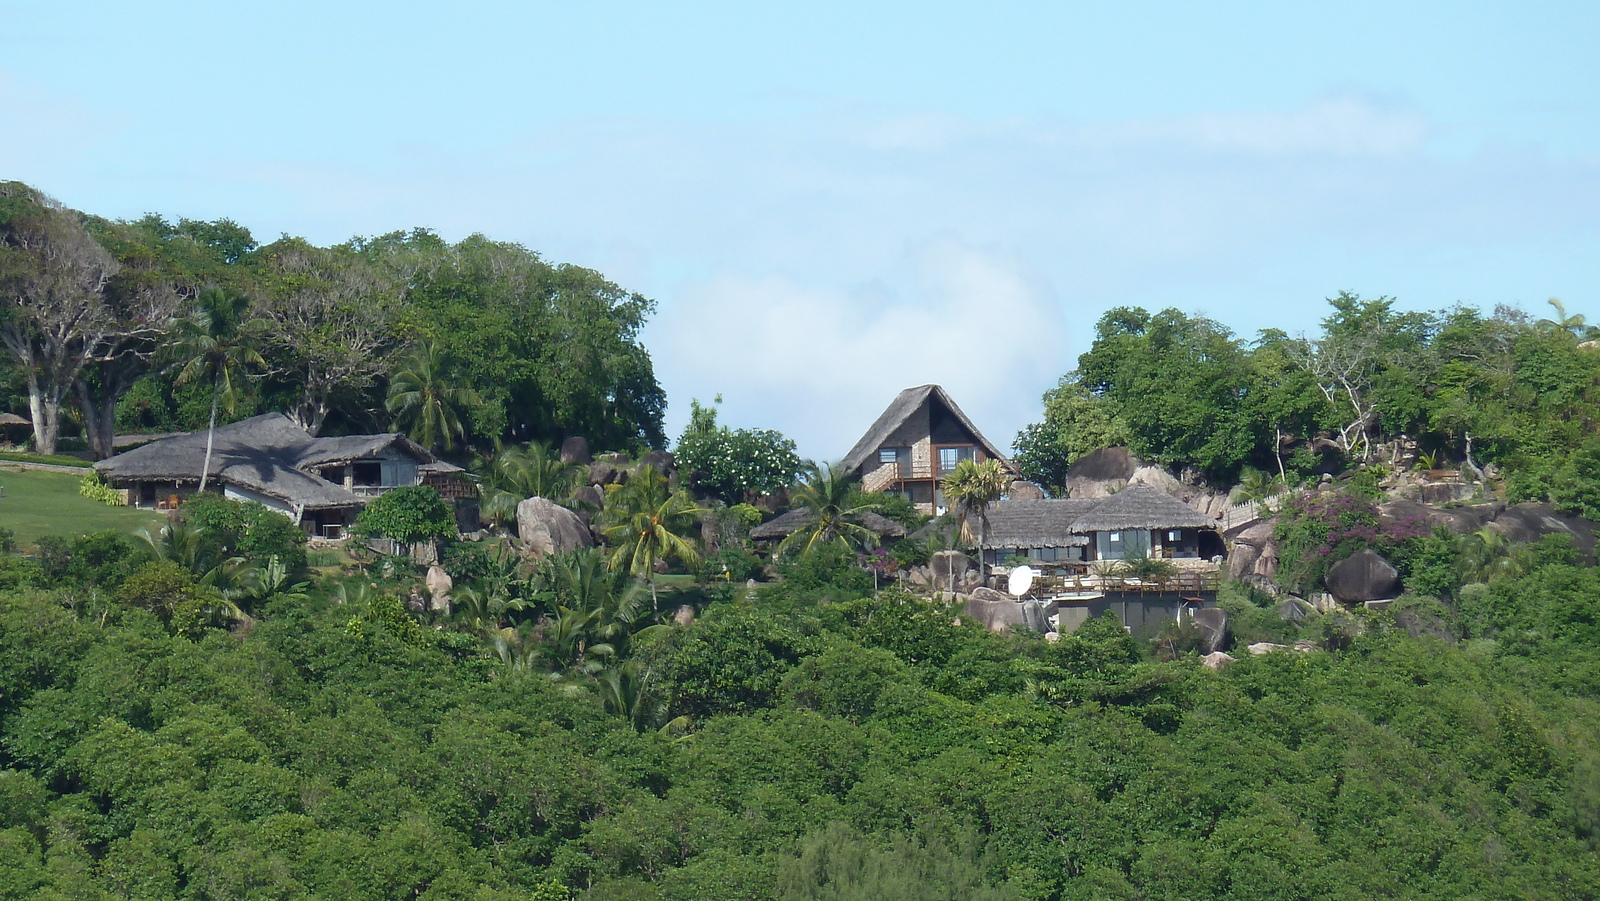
(833, 507)
(734, 465)
(1470, 388)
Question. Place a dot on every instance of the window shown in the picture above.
(1122, 545)
(950, 456)
(1174, 536)
(367, 473)
(888, 455)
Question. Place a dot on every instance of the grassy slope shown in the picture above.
(43, 503)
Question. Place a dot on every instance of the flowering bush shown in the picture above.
(735, 465)
(1318, 529)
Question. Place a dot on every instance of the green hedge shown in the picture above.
(52, 459)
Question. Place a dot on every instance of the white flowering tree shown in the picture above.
(734, 465)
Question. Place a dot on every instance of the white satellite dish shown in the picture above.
(1020, 580)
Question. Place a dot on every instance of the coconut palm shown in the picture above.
(1486, 554)
(215, 343)
(1575, 324)
(426, 402)
(629, 690)
(647, 521)
(524, 471)
(828, 495)
(971, 487)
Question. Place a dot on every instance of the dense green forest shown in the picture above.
(1452, 386)
(96, 311)
(218, 709)
(806, 742)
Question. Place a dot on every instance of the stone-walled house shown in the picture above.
(915, 443)
(320, 483)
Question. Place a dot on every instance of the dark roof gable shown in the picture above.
(899, 410)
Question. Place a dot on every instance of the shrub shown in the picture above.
(93, 487)
(1318, 529)
(735, 464)
(161, 587)
(1575, 489)
(407, 515)
(738, 564)
(246, 529)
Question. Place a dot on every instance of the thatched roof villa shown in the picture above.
(320, 483)
(1137, 521)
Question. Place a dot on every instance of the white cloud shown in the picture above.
(821, 362)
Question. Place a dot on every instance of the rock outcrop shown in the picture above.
(1363, 576)
(439, 584)
(996, 615)
(575, 451)
(546, 528)
(1213, 625)
(948, 570)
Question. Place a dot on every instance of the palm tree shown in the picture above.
(629, 690)
(828, 495)
(424, 400)
(214, 343)
(971, 487)
(1486, 554)
(530, 470)
(582, 580)
(1574, 324)
(647, 521)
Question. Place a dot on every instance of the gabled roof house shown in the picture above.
(917, 441)
(320, 483)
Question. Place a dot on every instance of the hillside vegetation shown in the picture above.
(792, 749)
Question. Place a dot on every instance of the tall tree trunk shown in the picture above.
(44, 405)
(211, 431)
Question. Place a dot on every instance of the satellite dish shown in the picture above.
(1020, 580)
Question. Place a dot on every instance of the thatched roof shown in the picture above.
(1140, 507)
(13, 419)
(266, 453)
(899, 410)
(788, 523)
(1037, 523)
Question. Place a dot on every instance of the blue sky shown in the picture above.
(835, 201)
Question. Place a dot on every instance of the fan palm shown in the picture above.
(828, 496)
(214, 343)
(971, 487)
(646, 521)
(426, 402)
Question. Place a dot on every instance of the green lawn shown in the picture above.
(39, 503)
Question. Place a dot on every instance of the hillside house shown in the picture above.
(320, 483)
(916, 442)
(1137, 521)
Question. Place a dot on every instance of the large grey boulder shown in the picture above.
(575, 451)
(591, 495)
(1213, 625)
(661, 460)
(1362, 576)
(546, 528)
(996, 616)
(439, 584)
(950, 568)
(602, 472)
(1037, 614)
(1023, 490)
(1101, 473)
(991, 595)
